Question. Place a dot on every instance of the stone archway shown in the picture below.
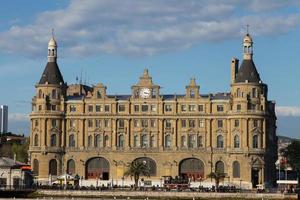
(192, 168)
(149, 162)
(97, 167)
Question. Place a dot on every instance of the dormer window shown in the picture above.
(220, 108)
(53, 95)
(154, 93)
(99, 95)
(192, 93)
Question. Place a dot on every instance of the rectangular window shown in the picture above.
(238, 107)
(90, 108)
(36, 122)
(53, 107)
(136, 123)
(106, 123)
(168, 123)
(220, 123)
(168, 108)
(144, 123)
(153, 108)
(72, 108)
(53, 122)
(220, 108)
(121, 123)
(144, 108)
(90, 123)
(106, 108)
(183, 123)
(201, 123)
(154, 93)
(121, 108)
(183, 108)
(192, 108)
(153, 123)
(191, 123)
(236, 123)
(72, 123)
(201, 108)
(99, 108)
(40, 107)
(136, 108)
(98, 123)
(255, 123)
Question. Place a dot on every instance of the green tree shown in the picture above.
(136, 169)
(217, 176)
(21, 151)
(292, 154)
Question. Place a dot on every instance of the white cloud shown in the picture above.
(145, 27)
(17, 117)
(293, 111)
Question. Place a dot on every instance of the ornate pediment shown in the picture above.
(257, 162)
(256, 130)
(98, 130)
(236, 130)
(35, 129)
(72, 129)
(55, 130)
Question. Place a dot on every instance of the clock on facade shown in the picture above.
(145, 93)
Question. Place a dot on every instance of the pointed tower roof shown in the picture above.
(51, 74)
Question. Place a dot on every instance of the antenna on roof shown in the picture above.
(76, 79)
(80, 80)
(52, 32)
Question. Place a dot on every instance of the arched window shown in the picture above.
(99, 96)
(53, 141)
(71, 167)
(35, 167)
(98, 140)
(53, 167)
(40, 94)
(220, 141)
(53, 95)
(200, 141)
(236, 169)
(192, 141)
(144, 140)
(71, 140)
(183, 141)
(36, 140)
(106, 141)
(220, 167)
(236, 141)
(90, 141)
(152, 141)
(135, 140)
(254, 92)
(238, 92)
(121, 141)
(255, 141)
(168, 140)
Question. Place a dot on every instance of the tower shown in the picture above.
(47, 117)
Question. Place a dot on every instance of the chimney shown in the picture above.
(234, 69)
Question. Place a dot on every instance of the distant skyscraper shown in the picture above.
(3, 118)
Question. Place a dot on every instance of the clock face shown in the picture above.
(145, 93)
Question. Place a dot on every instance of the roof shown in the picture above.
(51, 74)
(220, 96)
(247, 71)
(8, 162)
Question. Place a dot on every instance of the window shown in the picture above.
(99, 96)
(220, 123)
(192, 141)
(35, 167)
(183, 123)
(106, 123)
(121, 123)
(144, 108)
(192, 93)
(255, 123)
(53, 140)
(90, 140)
(36, 140)
(154, 93)
(201, 123)
(72, 108)
(168, 140)
(183, 108)
(71, 140)
(153, 123)
(53, 107)
(183, 141)
(236, 123)
(238, 107)
(153, 108)
(121, 141)
(136, 108)
(90, 108)
(40, 94)
(236, 141)
(36, 122)
(53, 167)
(99, 108)
(168, 123)
(106, 141)
(53, 123)
(144, 123)
(238, 93)
(53, 94)
(136, 123)
(255, 142)
(191, 123)
(192, 108)
(220, 108)
(71, 167)
(254, 93)
(236, 169)
(40, 107)
(201, 108)
(72, 123)
(136, 141)
(220, 142)
(98, 123)
(200, 141)
(168, 108)
(220, 167)
(90, 123)
(98, 140)
(106, 108)
(144, 140)
(121, 108)
(152, 141)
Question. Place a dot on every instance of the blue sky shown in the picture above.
(113, 41)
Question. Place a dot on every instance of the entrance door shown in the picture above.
(254, 177)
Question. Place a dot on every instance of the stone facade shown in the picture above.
(84, 131)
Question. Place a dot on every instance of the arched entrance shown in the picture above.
(151, 164)
(191, 168)
(97, 168)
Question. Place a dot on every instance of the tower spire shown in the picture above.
(52, 48)
(247, 46)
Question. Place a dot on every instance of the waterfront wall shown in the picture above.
(163, 195)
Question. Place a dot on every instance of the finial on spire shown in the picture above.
(52, 32)
(247, 28)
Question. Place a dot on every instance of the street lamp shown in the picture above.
(241, 184)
